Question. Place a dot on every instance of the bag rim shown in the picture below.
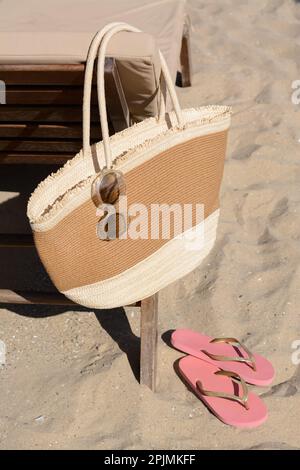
(40, 209)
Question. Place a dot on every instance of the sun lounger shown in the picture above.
(43, 46)
(42, 53)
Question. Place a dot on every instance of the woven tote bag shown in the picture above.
(173, 161)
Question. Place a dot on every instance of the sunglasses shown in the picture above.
(107, 188)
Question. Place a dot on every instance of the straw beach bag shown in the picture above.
(175, 159)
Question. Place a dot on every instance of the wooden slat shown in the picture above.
(49, 68)
(48, 131)
(48, 74)
(149, 317)
(44, 114)
(38, 298)
(34, 158)
(44, 95)
(41, 298)
(8, 240)
(59, 146)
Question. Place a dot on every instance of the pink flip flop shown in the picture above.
(225, 353)
(224, 393)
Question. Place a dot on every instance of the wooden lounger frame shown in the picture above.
(41, 121)
(41, 124)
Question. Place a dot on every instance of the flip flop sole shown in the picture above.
(228, 411)
(194, 344)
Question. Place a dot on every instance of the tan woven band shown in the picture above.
(71, 251)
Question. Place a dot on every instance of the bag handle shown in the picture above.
(102, 38)
(91, 56)
(101, 87)
(162, 97)
(87, 87)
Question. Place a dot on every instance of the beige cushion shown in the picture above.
(56, 31)
(60, 31)
(140, 79)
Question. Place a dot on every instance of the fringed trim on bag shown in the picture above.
(210, 115)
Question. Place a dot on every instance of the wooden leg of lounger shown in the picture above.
(149, 314)
(185, 59)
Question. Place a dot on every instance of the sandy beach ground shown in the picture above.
(70, 377)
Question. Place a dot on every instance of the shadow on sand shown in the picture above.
(21, 269)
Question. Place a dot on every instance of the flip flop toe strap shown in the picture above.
(243, 400)
(248, 360)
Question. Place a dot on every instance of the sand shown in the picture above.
(69, 380)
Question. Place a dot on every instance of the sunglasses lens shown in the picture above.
(108, 188)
